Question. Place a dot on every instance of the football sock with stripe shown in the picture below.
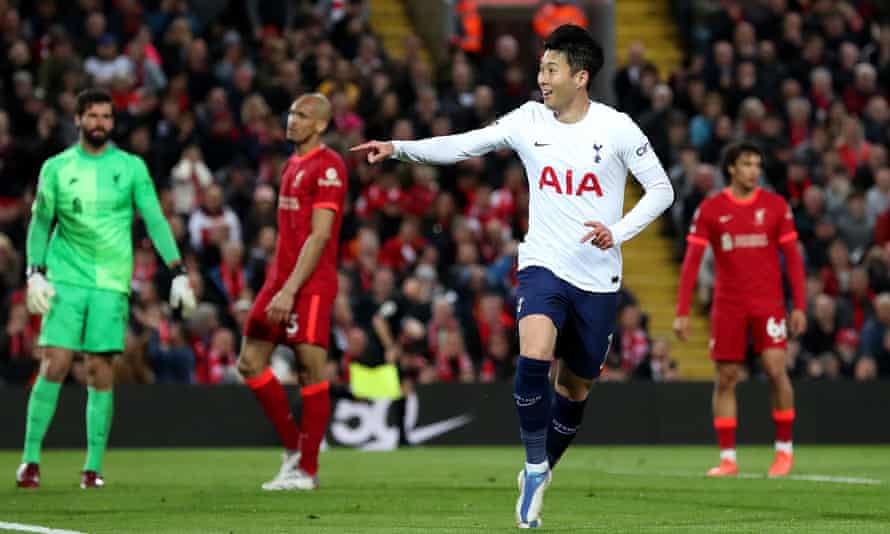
(784, 420)
(564, 423)
(532, 394)
(725, 428)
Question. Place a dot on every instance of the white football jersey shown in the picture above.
(577, 173)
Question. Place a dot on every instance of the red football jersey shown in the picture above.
(745, 236)
(315, 180)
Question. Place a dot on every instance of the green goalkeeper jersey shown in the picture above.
(91, 198)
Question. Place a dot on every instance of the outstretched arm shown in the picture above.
(446, 149)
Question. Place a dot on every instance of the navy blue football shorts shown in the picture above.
(585, 320)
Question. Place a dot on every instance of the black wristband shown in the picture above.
(178, 270)
(34, 269)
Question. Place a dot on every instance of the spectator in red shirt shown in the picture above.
(864, 86)
(419, 198)
(634, 343)
(401, 251)
(836, 275)
(852, 148)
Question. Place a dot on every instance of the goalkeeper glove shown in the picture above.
(40, 291)
(181, 293)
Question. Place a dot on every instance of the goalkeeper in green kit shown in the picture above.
(79, 274)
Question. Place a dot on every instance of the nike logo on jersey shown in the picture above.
(724, 219)
(538, 143)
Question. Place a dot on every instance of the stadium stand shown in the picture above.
(200, 93)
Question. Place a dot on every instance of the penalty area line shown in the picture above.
(21, 527)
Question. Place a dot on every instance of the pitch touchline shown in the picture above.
(20, 527)
(804, 478)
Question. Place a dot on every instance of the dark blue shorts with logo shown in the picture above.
(584, 319)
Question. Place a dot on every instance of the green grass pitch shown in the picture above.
(432, 490)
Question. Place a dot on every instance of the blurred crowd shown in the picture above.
(808, 81)
(201, 92)
(428, 254)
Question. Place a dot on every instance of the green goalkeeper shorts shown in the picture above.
(85, 319)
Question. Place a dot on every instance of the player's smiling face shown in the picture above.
(555, 80)
(96, 123)
(746, 170)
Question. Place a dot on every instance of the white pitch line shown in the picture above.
(822, 478)
(757, 476)
(20, 527)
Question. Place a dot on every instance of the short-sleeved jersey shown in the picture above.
(745, 236)
(91, 199)
(316, 179)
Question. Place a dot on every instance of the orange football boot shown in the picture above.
(727, 468)
(781, 464)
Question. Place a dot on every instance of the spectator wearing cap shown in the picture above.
(107, 64)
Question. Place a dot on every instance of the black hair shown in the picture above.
(734, 151)
(88, 97)
(581, 49)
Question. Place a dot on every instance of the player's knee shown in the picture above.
(55, 367)
(776, 373)
(537, 349)
(578, 393)
(308, 375)
(55, 371)
(247, 367)
(728, 378)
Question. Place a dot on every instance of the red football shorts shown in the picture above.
(730, 325)
(309, 322)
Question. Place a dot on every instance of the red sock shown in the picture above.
(316, 413)
(784, 420)
(725, 427)
(273, 399)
